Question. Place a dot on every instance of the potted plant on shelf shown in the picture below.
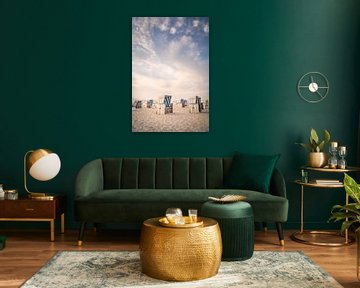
(350, 213)
(317, 157)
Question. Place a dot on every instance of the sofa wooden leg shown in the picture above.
(280, 233)
(81, 233)
(265, 227)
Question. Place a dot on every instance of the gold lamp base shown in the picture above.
(41, 196)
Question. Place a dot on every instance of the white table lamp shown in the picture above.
(43, 165)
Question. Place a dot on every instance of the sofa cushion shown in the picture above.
(266, 207)
(251, 172)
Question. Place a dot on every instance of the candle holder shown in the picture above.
(333, 149)
(342, 153)
(304, 176)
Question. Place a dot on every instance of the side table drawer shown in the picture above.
(31, 209)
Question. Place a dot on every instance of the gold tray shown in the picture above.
(165, 222)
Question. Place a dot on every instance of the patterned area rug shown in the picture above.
(122, 269)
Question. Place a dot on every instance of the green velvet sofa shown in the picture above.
(130, 190)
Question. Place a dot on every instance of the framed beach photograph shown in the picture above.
(170, 74)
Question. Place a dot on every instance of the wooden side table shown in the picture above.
(26, 209)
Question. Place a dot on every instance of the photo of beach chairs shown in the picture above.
(170, 74)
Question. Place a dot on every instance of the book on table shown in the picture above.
(327, 181)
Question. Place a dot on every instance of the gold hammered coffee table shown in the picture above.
(180, 254)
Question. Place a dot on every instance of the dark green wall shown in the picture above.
(66, 85)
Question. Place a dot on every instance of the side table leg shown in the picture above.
(63, 223)
(302, 210)
(52, 230)
(346, 230)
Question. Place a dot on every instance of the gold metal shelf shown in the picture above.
(315, 235)
(313, 184)
(348, 169)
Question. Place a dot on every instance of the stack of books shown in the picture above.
(327, 181)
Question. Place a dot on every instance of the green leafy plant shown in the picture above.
(314, 144)
(349, 214)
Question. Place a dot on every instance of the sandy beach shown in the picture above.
(146, 120)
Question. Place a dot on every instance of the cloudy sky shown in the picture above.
(170, 55)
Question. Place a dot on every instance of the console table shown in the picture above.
(27, 209)
(297, 235)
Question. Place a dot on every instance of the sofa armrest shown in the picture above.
(277, 184)
(89, 179)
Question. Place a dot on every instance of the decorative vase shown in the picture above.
(317, 159)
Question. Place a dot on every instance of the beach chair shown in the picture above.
(138, 104)
(184, 103)
(198, 102)
(194, 106)
(160, 106)
(207, 106)
(168, 104)
(164, 105)
(150, 103)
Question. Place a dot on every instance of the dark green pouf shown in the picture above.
(236, 221)
(2, 242)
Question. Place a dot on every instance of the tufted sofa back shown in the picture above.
(164, 173)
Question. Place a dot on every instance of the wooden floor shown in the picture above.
(28, 250)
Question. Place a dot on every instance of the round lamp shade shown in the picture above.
(44, 164)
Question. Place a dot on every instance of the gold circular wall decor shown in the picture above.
(313, 87)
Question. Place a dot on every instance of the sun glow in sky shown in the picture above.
(170, 56)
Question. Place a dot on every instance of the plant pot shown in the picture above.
(317, 159)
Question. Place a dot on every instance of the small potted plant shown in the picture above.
(317, 157)
(350, 214)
